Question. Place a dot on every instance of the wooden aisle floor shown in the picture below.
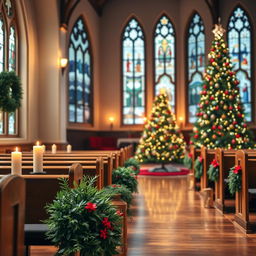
(169, 220)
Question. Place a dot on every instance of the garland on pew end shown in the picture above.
(187, 161)
(235, 179)
(133, 164)
(198, 167)
(213, 171)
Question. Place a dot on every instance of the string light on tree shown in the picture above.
(161, 141)
(220, 115)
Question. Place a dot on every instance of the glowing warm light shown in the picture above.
(16, 149)
(63, 62)
(63, 28)
(145, 119)
(181, 118)
(38, 143)
(111, 119)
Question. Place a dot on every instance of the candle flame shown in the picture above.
(38, 143)
(17, 150)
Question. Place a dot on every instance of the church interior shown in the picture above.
(127, 127)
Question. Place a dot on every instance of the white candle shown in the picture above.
(69, 148)
(16, 162)
(54, 149)
(43, 147)
(38, 153)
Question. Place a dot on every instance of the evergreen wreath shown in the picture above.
(187, 161)
(198, 167)
(133, 164)
(84, 220)
(10, 91)
(235, 179)
(213, 171)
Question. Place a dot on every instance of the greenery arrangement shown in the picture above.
(235, 179)
(125, 193)
(10, 91)
(161, 141)
(220, 115)
(125, 176)
(198, 167)
(133, 164)
(187, 161)
(213, 171)
(83, 219)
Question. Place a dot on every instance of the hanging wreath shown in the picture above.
(213, 171)
(10, 91)
(187, 161)
(198, 167)
(235, 179)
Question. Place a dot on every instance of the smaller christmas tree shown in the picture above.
(161, 141)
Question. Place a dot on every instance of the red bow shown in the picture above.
(190, 155)
(215, 163)
(237, 169)
(90, 207)
(200, 159)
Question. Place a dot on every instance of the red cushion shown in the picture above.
(103, 143)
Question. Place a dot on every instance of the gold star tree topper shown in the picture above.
(218, 29)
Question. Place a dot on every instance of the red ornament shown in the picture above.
(212, 98)
(206, 102)
(226, 64)
(239, 107)
(235, 122)
(219, 127)
(236, 82)
(233, 141)
(226, 92)
(217, 108)
(238, 135)
(204, 86)
(196, 136)
(230, 107)
(214, 127)
(244, 125)
(239, 115)
(211, 60)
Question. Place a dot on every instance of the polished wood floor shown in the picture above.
(168, 219)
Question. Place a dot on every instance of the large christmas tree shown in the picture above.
(161, 141)
(221, 119)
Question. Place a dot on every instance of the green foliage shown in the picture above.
(125, 176)
(10, 91)
(187, 161)
(83, 219)
(161, 141)
(198, 168)
(213, 173)
(125, 193)
(235, 179)
(133, 164)
(220, 115)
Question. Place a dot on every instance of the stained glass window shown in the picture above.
(195, 63)
(80, 75)
(239, 41)
(164, 55)
(133, 59)
(8, 60)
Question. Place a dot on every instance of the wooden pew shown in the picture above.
(41, 190)
(243, 218)
(12, 211)
(208, 155)
(62, 167)
(226, 160)
(195, 153)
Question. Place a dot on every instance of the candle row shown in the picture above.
(38, 153)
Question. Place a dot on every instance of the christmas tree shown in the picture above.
(221, 119)
(161, 141)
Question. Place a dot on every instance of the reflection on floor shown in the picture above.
(169, 220)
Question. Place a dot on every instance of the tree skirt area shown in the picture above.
(171, 170)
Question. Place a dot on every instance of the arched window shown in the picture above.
(8, 60)
(133, 74)
(80, 75)
(240, 49)
(195, 63)
(164, 58)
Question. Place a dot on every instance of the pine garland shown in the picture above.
(198, 167)
(235, 179)
(187, 161)
(213, 171)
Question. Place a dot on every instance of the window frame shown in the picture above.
(186, 63)
(82, 125)
(122, 73)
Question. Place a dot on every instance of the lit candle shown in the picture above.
(54, 149)
(38, 153)
(16, 162)
(69, 148)
(43, 147)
